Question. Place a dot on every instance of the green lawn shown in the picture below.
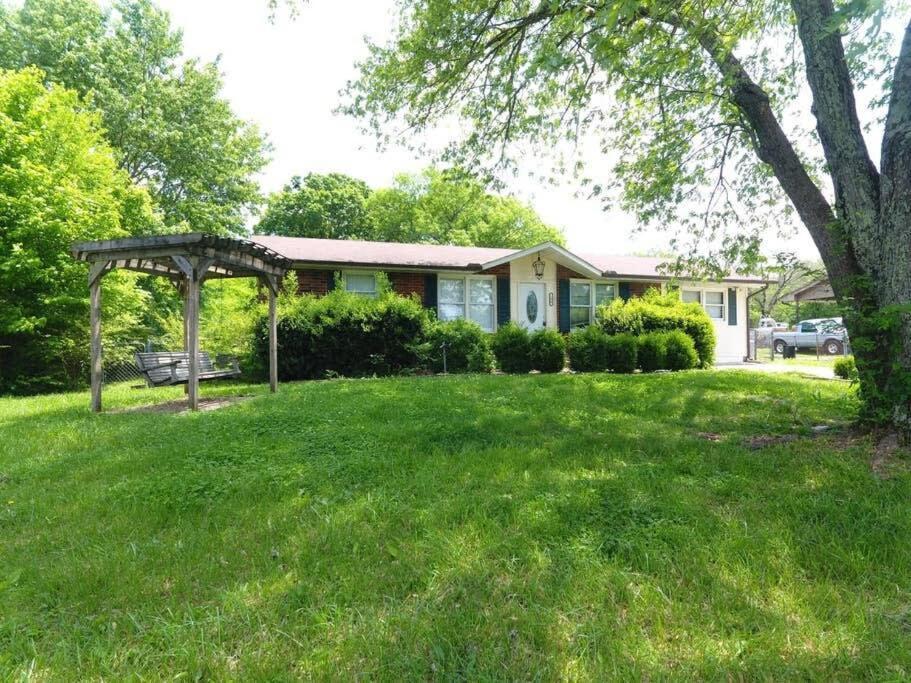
(476, 528)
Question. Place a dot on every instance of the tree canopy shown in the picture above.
(704, 108)
(59, 183)
(434, 207)
(165, 116)
(331, 206)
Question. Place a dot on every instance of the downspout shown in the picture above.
(750, 295)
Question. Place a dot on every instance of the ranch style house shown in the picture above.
(542, 286)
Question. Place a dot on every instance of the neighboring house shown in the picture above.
(543, 286)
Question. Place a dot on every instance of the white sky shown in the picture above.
(286, 76)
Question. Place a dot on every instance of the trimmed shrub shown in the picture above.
(679, 351)
(652, 351)
(548, 351)
(656, 312)
(344, 334)
(621, 353)
(587, 349)
(845, 368)
(511, 346)
(467, 347)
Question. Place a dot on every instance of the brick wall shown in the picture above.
(312, 281)
(406, 284)
(500, 271)
(564, 273)
(639, 288)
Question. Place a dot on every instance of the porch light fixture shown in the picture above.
(538, 266)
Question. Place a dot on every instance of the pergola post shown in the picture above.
(96, 272)
(272, 285)
(185, 302)
(192, 323)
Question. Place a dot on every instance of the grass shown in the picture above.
(804, 357)
(475, 528)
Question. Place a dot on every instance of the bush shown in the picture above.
(345, 334)
(652, 351)
(512, 347)
(587, 349)
(656, 312)
(680, 351)
(467, 347)
(548, 351)
(621, 353)
(845, 368)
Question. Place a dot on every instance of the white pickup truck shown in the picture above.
(827, 334)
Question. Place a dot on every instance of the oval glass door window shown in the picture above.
(531, 307)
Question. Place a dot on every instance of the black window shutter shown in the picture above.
(430, 291)
(330, 283)
(624, 291)
(732, 306)
(563, 313)
(503, 298)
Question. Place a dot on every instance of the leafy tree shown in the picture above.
(452, 208)
(786, 274)
(331, 206)
(702, 102)
(59, 183)
(433, 207)
(174, 132)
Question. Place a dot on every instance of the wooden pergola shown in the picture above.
(187, 260)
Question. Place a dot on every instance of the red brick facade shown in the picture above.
(500, 271)
(312, 281)
(564, 273)
(317, 282)
(407, 284)
(639, 288)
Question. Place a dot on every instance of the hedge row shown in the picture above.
(349, 335)
(593, 350)
(656, 312)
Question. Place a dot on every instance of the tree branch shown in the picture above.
(854, 176)
(897, 133)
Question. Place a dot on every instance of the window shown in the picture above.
(467, 297)
(584, 299)
(807, 327)
(361, 283)
(691, 296)
(712, 302)
(580, 305)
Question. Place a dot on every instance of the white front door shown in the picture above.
(531, 305)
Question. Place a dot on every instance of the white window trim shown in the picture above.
(467, 301)
(592, 307)
(345, 274)
(702, 292)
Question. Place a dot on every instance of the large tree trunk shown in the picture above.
(873, 214)
(865, 238)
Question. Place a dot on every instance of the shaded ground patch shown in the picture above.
(180, 405)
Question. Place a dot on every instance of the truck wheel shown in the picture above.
(834, 347)
(780, 346)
